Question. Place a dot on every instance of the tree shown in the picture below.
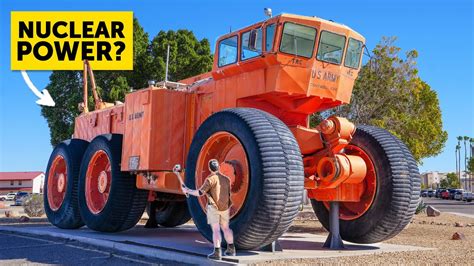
(389, 93)
(470, 165)
(188, 57)
(451, 181)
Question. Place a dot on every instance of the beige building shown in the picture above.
(432, 179)
(465, 180)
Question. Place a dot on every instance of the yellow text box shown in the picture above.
(61, 40)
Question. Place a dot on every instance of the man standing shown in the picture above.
(217, 189)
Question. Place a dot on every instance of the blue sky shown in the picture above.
(441, 31)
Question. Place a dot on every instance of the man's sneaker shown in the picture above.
(230, 251)
(216, 255)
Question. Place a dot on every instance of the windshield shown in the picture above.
(354, 51)
(331, 47)
(298, 40)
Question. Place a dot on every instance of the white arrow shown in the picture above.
(44, 98)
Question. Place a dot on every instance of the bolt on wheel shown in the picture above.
(227, 149)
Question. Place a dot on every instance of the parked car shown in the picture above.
(20, 196)
(424, 193)
(444, 194)
(458, 194)
(3, 197)
(438, 192)
(467, 196)
(430, 193)
(452, 191)
(11, 196)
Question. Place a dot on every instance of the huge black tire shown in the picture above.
(276, 175)
(68, 215)
(171, 213)
(397, 191)
(125, 204)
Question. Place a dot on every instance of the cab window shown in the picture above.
(298, 40)
(331, 47)
(354, 51)
(247, 52)
(228, 51)
(269, 37)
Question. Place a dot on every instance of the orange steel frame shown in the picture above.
(158, 124)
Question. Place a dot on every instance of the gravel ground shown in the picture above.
(431, 232)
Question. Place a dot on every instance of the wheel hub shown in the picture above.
(61, 182)
(102, 182)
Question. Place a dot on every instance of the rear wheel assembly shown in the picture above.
(392, 188)
(267, 173)
(108, 198)
(61, 181)
(170, 213)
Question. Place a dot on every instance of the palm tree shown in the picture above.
(466, 138)
(457, 163)
(471, 146)
(458, 148)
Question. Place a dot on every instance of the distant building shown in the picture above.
(467, 181)
(432, 179)
(32, 182)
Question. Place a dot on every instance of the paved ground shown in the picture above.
(20, 249)
(186, 244)
(453, 206)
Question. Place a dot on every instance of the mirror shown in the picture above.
(252, 45)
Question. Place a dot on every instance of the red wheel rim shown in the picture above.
(98, 181)
(57, 183)
(229, 151)
(353, 210)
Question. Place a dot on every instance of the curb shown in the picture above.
(130, 248)
(462, 214)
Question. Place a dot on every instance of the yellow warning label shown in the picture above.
(62, 40)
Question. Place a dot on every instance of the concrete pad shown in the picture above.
(185, 244)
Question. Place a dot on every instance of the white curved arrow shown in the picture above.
(44, 97)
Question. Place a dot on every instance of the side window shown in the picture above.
(331, 47)
(228, 51)
(247, 52)
(270, 36)
(354, 51)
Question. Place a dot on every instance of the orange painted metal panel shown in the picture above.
(154, 129)
(162, 181)
(110, 120)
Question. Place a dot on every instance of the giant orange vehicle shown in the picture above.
(251, 113)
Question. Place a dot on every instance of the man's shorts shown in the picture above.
(214, 216)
